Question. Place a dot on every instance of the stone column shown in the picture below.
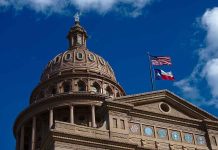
(73, 85)
(59, 88)
(93, 116)
(51, 118)
(88, 86)
(22, 138)
(33, 140)
(71, 114)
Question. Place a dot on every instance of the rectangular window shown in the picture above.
(79, 39)
(72, 41)
(148, 131)
(134, 128)
(122, 124)
(114, 123)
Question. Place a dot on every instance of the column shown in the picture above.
(88, 86)
(22, 138)
(33, 134)
(59, 88)
(51, 118)
(73, 85)
(93, 116)
(71, 114)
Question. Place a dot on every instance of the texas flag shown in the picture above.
(162, 75)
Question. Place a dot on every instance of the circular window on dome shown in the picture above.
(164, 107)
(79, 56)
(101, 61)
(49, 64)
(68, 57)
(91, 57)
(57, 59)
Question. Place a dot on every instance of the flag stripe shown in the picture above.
(160, 60)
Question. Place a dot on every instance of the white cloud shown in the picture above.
(4, 3)
(207, 68)
(63, 6)
(210, 72)
(99, 5)
(210, 23)
(188, 88)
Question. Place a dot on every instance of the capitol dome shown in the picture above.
(78, 60)
(77, 71)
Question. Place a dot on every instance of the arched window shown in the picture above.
(41, 94)
(67, 87)
(53, 90)
(68, 57)
(96, 88)
(57, 59)
(109, 91)
(81, 86)
(117, 94)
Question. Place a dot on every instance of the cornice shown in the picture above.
(213, 125)
(109, 104)
(191, 106)
(141, 96)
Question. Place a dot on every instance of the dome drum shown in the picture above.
(86, 84)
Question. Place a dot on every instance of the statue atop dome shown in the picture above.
(76, 17)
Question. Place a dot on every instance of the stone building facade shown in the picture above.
(79, 105)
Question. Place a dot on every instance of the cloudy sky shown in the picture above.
(34, 31)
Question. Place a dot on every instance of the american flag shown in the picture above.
(160, 60)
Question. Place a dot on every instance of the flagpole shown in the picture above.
(151, 75)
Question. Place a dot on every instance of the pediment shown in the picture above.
(162, 107)
(156, 101)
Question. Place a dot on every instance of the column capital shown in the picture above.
(71, 105)
(50, 108)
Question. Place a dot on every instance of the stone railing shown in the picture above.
(80, 130)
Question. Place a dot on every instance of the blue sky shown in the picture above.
(32, 32)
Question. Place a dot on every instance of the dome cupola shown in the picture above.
(77, 35)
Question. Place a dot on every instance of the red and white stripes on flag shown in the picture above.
(160, 60)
